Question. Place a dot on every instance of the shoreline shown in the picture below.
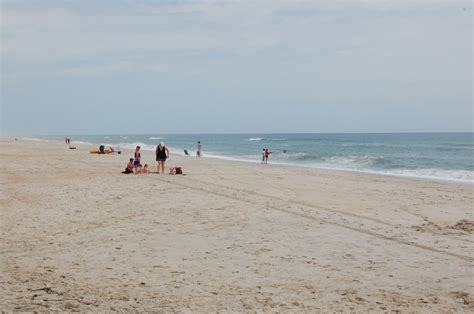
(78, 235)
(282, 164)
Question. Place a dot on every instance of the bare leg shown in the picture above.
(163, 166)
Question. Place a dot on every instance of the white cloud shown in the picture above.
(96, 37)
(339, 57)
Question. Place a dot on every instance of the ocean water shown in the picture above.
(438, 156)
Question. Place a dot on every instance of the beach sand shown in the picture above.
(77, 235)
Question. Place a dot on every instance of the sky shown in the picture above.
(155, 67)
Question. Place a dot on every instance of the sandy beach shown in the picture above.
(77, 235)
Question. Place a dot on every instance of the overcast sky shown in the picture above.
(138, 66)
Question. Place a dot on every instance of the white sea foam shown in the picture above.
(258, 139)
(359, 164)
(132, 146)
(156, 138)
(250, 159)
(289, 156)
(83, 143)
(34, 139)
(462, 176)
(434, 174)
(355, 161)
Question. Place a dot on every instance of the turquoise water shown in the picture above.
(440, 156)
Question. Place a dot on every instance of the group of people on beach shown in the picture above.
(135, 166)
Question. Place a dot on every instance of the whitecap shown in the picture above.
(132, 146)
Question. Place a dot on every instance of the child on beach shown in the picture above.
(138, 169)
(129, 168)
(136, 161)
(145, 169)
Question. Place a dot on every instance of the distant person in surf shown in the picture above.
(266, 153)
(162, 153)
(199, 148)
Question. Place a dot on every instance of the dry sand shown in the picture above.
(78, 235)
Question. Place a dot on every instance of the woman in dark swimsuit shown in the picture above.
(162, 153)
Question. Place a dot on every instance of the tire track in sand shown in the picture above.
(333, 217)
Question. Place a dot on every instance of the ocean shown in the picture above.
(438, 156)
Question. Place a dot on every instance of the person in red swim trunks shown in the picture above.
(266, 153)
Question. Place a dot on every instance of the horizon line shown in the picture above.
(243, 133)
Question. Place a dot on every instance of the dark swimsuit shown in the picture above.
(136, 161)
(161, 153)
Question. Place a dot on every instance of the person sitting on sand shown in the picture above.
(138, 169)
(145, 169)
(162, 153)
(129, 168)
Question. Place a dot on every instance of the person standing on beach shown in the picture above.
(162, 153)
(136, 160)
(198, 152)
(266, 153)
(263, 156)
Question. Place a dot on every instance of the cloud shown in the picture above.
(333, 55)
(91, 37)
(354, 38)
